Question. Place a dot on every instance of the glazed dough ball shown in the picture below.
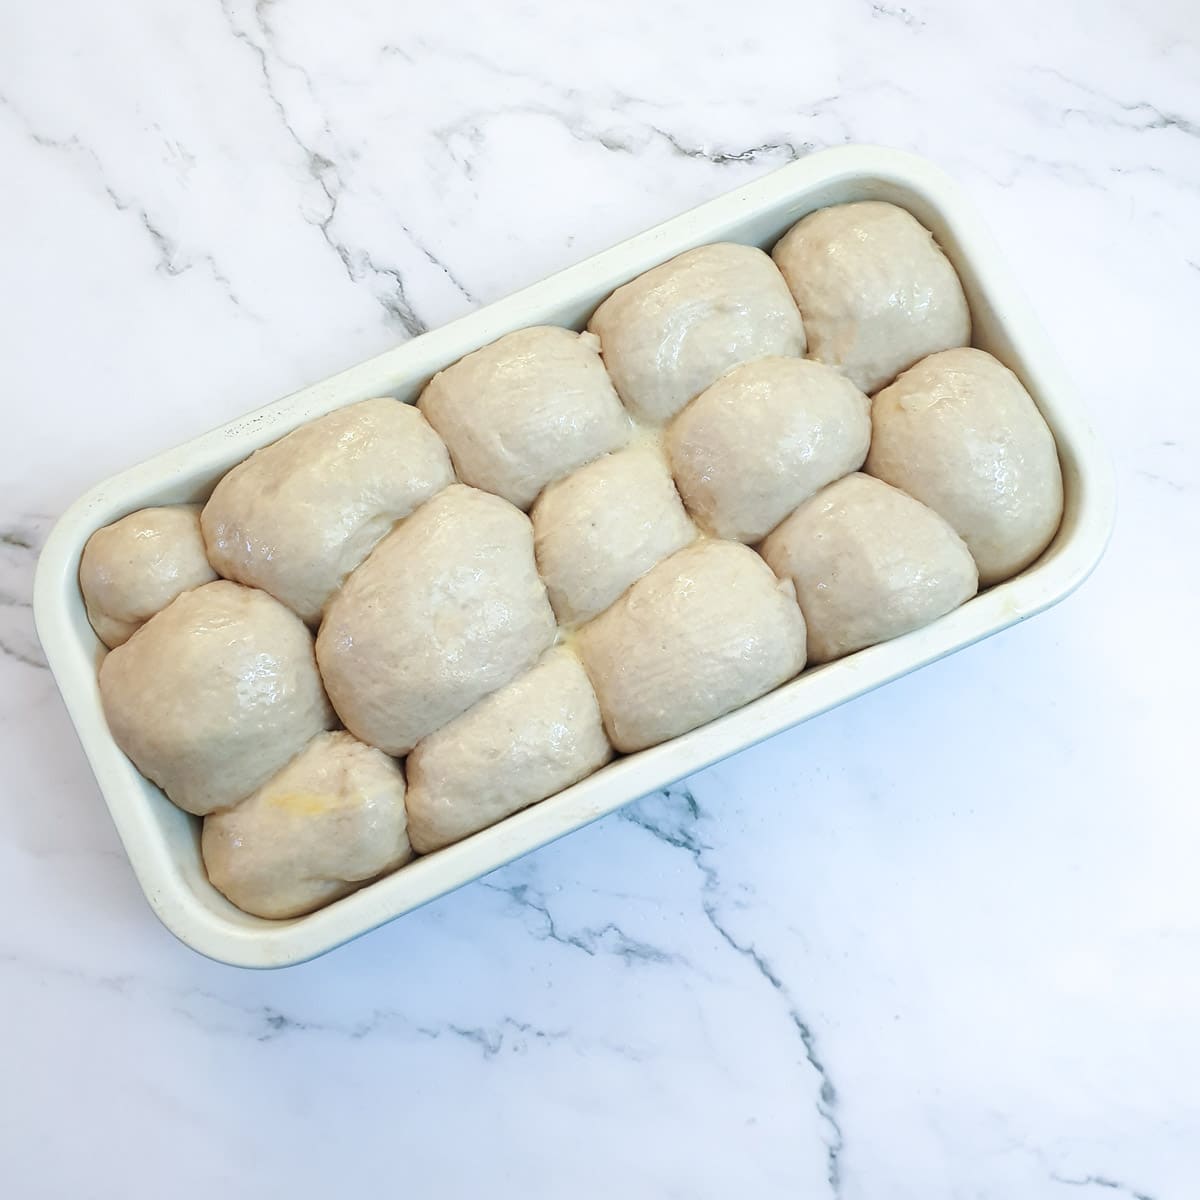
(875, 290)
(300, 514)
(673, 331)
(706, 631)
(214, 694)
(330, 820)
(604, 526)
(448, 608)
(136, 566)
(763, 439)
(962, 435)
(526, 410)
(869, 563)
(537, 735)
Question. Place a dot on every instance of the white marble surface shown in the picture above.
(944, 942)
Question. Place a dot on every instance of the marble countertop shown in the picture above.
(942, 942)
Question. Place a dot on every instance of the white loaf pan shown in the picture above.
(163, 843)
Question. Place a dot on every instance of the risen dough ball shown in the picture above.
(299, 515)
(706, 631)
(534, 737)
(331, 819)
(869, 563)
(673, 331)
(604, 526)
(875, 290)
(214, 694)
(960, 433)
(764, 438)
(526, 410)
(448, 608)
(136, 566)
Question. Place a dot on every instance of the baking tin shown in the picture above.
(163, 843)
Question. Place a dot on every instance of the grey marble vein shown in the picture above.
(489, 1039)
(492, 1040)
(608, 938)
(570, 108)
(785, 151)
(1101, 1181)
(168, 252)
(679, 831)
(1140, 115)
(357, 262)
(894, 12)
(1166, 481)
(630, 140)
(13, 648)
(20, 542)
(210, 1012)
(441, 265)
(166, 249)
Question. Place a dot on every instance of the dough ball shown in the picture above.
(869, 563)
(299, 515)
(875, 290)
(763, 439)
(706, 631)
(962, 435)
(673, 331)
(214, 694)
(136, 566)
(330, 820)
(526, 410)
(604, 526)
(448, 608)
(535, 736)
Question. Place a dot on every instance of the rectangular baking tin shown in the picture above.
(163, 843)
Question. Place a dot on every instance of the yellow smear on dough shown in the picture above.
(303, 804)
